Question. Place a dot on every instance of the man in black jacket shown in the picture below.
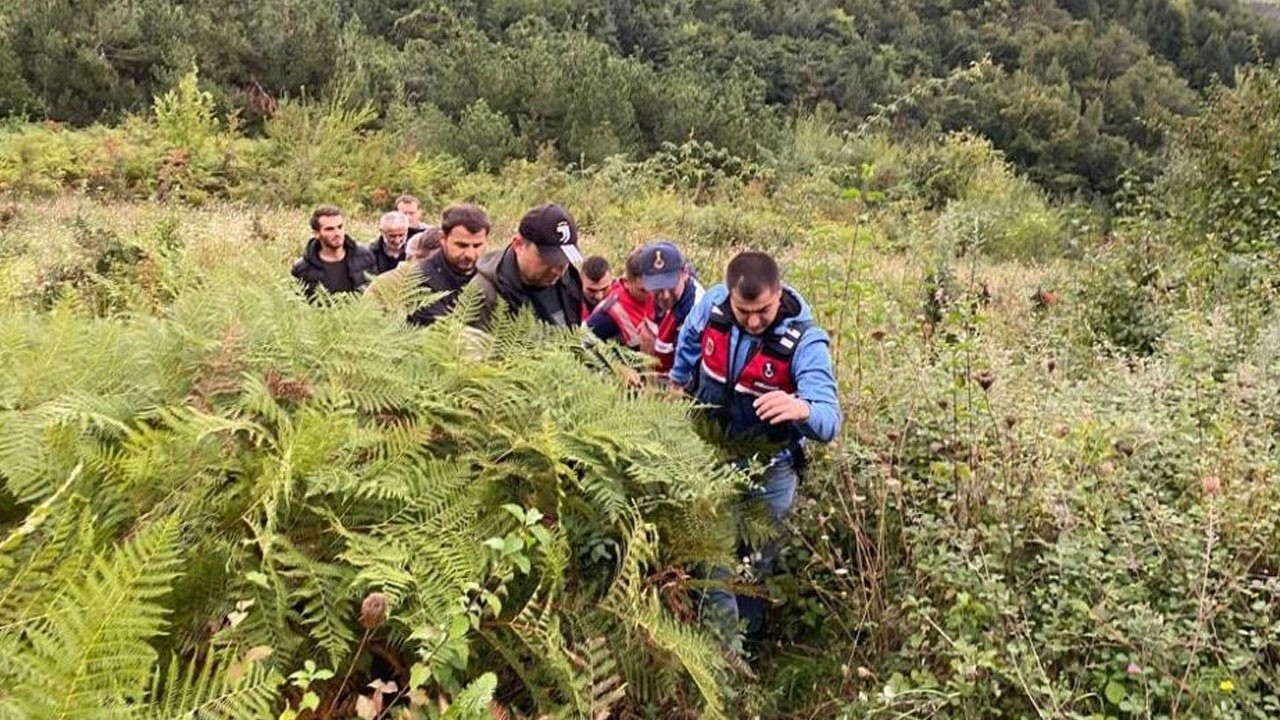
(537, 270)
(464, 234)
(332, 259)
(388, 250)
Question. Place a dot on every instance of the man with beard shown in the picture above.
(537, 270)
(332, 259)
(464, 234)
(389, 249)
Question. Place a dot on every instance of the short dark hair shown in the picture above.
(471, 217)
(594, 268)
(406, 199)
(427, 240)
(633, 267)
(751, 274)
(323, 211)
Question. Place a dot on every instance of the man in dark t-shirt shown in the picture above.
(332, 259)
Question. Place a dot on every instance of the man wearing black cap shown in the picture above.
(538, 270)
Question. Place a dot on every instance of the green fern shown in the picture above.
(473, 702)
(311, 454)
(87, 655)
(214, 690)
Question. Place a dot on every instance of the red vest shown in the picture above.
(767, 368)
(665, 335)
(627, 313)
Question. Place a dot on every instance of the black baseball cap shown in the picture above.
(553, 231)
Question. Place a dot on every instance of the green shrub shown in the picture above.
(483, 138)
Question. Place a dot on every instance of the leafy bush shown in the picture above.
(483, 137)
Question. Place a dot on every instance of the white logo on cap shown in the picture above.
(565, 232)
(658, 262)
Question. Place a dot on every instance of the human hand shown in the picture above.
(647, 339)
(778, 407)
(631, 378)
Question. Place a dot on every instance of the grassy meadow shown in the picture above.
(1054, 494)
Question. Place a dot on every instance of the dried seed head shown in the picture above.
(878, 334)
(985, 379)
(1010, 421)
(1050, 365)
(373, 611)
(1210, 484)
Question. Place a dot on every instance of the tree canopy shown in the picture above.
(1073, 91)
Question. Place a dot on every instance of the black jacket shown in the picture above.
(310, 269)
(381, 260)
(437, 276)
(498, 278)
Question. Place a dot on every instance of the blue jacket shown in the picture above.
(810, 367)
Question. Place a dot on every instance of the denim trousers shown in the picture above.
(776, 488)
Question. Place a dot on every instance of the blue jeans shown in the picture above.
(777, 490)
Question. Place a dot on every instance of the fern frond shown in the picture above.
(46, 565)
(214, 690)
(23, 455)
(474, 700)
(325, 605)
(90, 655)
(640, 613)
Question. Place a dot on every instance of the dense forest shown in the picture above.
(1076, 93)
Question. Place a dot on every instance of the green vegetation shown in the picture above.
(1076, 94)
(1055, 493)
(1044, 238)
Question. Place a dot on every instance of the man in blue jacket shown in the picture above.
(751, 353)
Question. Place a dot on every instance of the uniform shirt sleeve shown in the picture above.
(689, 342)
(816, 383)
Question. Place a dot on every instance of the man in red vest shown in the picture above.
(621, 315)
(673, 293)
(753, 357)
